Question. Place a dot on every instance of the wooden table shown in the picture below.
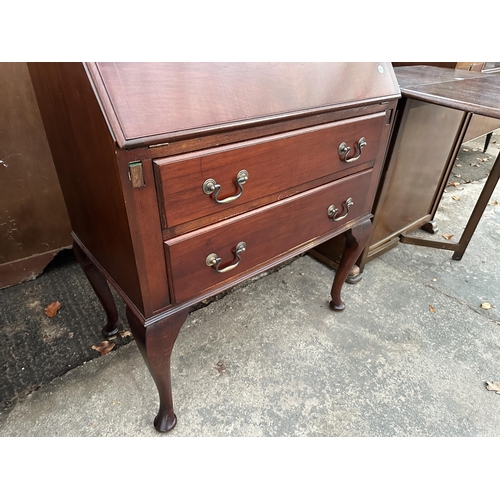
(433, 114)
(183, 180)
(472, 93)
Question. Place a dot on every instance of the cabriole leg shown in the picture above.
(101, 289)
(356, 240)
(155, 343)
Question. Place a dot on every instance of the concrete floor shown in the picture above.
(271, 358)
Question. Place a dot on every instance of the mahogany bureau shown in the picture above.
(184, 179)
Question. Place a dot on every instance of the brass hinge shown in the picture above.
(135, 174)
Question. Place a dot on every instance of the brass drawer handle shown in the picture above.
(332, 211)
(344, 149)
(211, 187)
(212, 259)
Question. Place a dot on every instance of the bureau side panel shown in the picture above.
(86, 164)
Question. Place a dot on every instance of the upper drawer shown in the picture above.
(189, 184)
(266, 233)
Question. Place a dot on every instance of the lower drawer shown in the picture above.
(217, 254)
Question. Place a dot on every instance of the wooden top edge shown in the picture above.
(468, 106)
(463, 90)
(230, 127)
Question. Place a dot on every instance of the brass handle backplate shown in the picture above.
(332, 211)
(214, 261)
(211, 187)
(344, 150)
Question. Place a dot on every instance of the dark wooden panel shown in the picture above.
(19, 271)
(274, 165)
(34, 223)
(267, 232)
(423, 146)
(168, 100)
(480, 125)
(84, 156)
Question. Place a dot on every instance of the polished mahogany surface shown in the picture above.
(169, 100)
(280, 164)
(267, 233)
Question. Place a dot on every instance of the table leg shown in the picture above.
(356, 240)
(155, 343)
(101, 289)
(487, 141)
(478, 211)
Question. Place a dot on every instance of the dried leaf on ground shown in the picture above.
(447, 236)
(466, 149)
(493, 202)
(52, 308)
(456, 198)
(458, 164)
(454, 184)
(493, 386)
(432, 309)
(486, 305)
(220, 367)
(103, 347)
(124, 334)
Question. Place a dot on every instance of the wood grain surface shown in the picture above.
(268, 232)
(469, 91)
(162, 101)
(275, 164)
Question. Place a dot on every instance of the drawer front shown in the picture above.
(273, 165)
(267, 233)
